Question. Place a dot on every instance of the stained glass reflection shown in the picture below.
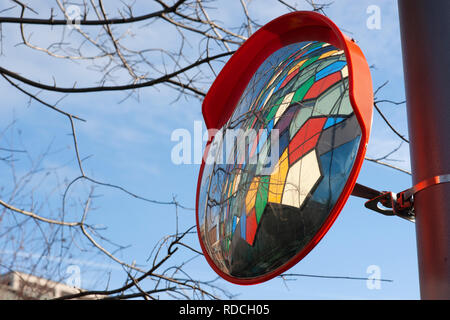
(281, 162)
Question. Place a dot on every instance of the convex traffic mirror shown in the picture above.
(289, 118)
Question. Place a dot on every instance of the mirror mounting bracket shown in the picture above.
(396, 204)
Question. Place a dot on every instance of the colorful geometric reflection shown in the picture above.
(269, 188)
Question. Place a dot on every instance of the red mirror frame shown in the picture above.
(225, 92)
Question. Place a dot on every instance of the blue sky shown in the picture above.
(130, 146)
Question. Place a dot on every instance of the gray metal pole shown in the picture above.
(425, 31)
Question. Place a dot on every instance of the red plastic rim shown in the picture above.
(222, 98)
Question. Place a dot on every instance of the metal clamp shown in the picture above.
(396, 204)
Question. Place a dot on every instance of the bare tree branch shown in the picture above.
(95, 22)
(389, 124)
(387, 165)
(149, 83)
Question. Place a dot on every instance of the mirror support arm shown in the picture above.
(396, 204)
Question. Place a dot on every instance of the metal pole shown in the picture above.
(425, 32)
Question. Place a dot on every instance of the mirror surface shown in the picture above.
(275, 171)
